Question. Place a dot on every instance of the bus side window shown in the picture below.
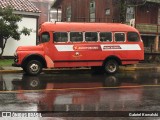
(45, 37)
(119, 37)
(105, 36)
(76, 36)
(133, 37)
(91, 36)
(60, 36)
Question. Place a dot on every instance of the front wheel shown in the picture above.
(34, 67)
(111, 66)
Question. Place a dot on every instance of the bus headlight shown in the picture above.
(15, 57)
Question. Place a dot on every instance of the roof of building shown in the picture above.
(20, 5)
(42, 1)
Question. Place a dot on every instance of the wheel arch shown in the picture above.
(38, 57)
(113, 58)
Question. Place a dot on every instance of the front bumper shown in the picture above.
(16, 65)
(16, 61)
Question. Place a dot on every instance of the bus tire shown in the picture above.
(34, 67)
(111, 66)
(24, 69)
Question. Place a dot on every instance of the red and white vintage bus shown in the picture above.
(63, 45)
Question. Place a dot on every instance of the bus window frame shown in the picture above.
(75, 41)
(112, 37)
(139, 38)
(41, 41)
(60, 32)
(91, 32)
(84, 36)
(125, 39)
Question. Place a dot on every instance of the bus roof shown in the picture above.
(90, 27)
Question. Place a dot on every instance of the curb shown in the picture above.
(46, 70)
(139, 68)
(11, 71)
(127, 69)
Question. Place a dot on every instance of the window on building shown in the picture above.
(68, 14)
(105, 36)
(92, 11)
(130, 14)
(91, 36)
(119, 37)
(132, 37)
(55, 15)
(76, 36)
(60, 37)
(45, 37)
(108, 11)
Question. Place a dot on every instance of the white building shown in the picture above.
(30, 17)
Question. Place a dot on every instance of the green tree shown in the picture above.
(9, 27)
(122, 11)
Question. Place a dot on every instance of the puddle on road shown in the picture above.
(79, 81)
(79, 92)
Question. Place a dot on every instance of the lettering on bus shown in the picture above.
(86, 47)
(111, 47)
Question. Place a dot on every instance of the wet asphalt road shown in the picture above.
(67, 95)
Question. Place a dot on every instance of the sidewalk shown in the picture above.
(140, 66)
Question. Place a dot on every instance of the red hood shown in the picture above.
(30, 48)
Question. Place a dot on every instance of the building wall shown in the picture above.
(44, 7)
(80, 10)
(148, 25)
(147, 14)
(79, 14)
(11, 46)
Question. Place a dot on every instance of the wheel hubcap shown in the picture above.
(34, 83)
(34, 67)
(111, 67)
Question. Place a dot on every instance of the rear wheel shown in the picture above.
(34, 67)
(111, 66)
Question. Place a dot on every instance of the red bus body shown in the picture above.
(84, 52)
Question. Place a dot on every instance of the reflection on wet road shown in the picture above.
(81, 91)
(79, 81)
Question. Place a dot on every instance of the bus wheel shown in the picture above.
(34, 67)
(111, 66)
(24, 69)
